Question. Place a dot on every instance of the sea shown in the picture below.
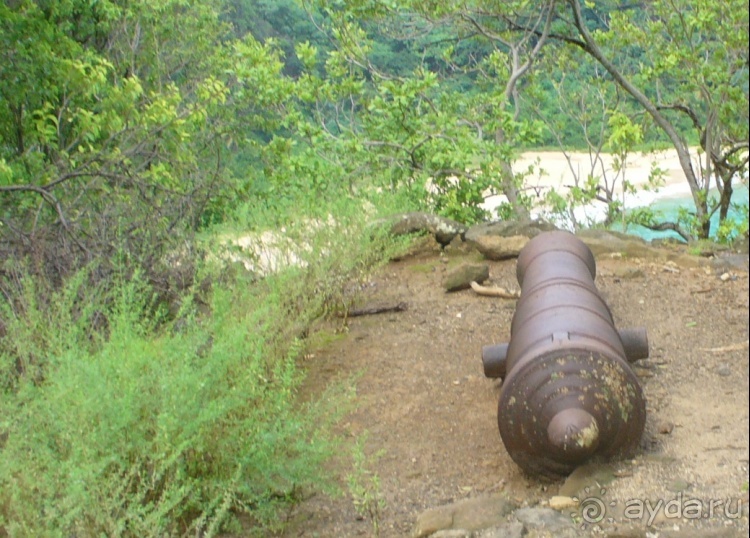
(667, 208)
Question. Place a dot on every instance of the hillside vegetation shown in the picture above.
(148, 368)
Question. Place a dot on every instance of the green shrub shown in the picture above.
(153, 433)
(124, 416)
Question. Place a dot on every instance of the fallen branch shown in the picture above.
(494, 292)
(724, 349)
(371, 310)
(668, 226)
(702, 290)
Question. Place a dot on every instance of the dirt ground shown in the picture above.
(431, 415)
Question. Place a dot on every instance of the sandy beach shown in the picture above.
(556, 170)
(560, 171)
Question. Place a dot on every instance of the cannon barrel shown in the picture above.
(568, 393)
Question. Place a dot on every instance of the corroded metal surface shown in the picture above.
(568, 393)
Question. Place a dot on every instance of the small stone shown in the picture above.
(723, 371)
(562, 502)
(725, 276)
(642, 372)
(666, 427)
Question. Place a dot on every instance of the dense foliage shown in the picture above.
(148, 382)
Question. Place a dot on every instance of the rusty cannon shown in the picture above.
(568, 394)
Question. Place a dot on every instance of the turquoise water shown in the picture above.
(669, 208)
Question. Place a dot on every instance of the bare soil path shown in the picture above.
(428, 409)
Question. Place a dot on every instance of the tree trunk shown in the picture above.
(509, 186)
(726, 198)
(683, 153)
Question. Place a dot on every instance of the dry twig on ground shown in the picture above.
(494, 292)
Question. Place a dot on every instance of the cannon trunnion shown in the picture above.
(568, 393)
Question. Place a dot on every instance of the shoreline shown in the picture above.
(552, 170)
(556, 171)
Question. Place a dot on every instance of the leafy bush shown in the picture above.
(134, 426)
(152, 433)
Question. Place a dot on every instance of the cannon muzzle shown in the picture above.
(568, 393)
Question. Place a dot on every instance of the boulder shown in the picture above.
(513, 529)
(544, 518)
(462, 276)
(607, 242)
(603, 242)
(509, 228)
(587, 480)
(495, 247)
(443, 229)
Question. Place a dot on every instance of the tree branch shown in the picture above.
(47, 196)
(687, 110)
(662, 226)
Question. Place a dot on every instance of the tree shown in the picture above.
(688, 59)
(455, 122)
(117, 121)
(584, 111)
(285, 22)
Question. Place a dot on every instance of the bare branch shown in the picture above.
(494, 292)
(48, 197)
(687, 110)
(662, 226)
(518, 69)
